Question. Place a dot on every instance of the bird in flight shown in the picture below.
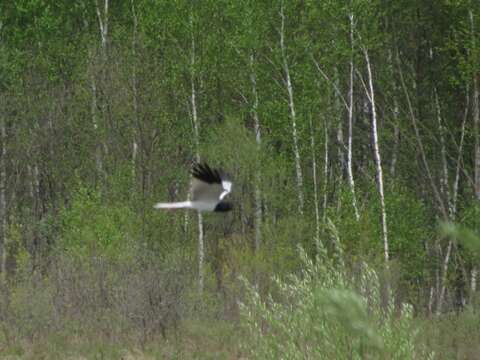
(209, 188)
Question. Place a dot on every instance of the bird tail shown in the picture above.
(174, 205)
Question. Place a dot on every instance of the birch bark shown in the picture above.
(476, 115)
(96, 128)
(396, 112)
(196, 134)
(476, 131)
(3, 205)
(378, 159)
(258, 139)
(102, 17)
(350, 123)
(325, 175)
(135, 94)
(460, 153)
(340, 138)
(293, 116)
(315, 183)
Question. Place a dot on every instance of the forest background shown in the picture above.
(351, 130)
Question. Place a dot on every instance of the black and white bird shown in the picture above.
(209, 188)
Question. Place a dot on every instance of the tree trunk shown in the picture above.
(396, 112)
(460, 154)
(258, 139)
(135, 95)
(196, 134)
(351, 181)
(443, 276)
(476, 117)
(325, 175)
(444, 179)
(96, 129)
(291, 105)
(3, 205)
(476, 131)
(378, 159)
(102, 16)
(436, 193)
(340, 138)
(315, 183)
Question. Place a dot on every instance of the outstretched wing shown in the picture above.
(209, 184)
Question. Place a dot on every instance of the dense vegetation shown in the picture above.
(351, 130)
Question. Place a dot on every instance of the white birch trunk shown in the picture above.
(315, 183)
(431, 298)
(396, 112)
(473, 280)
(325, 175)
(3, 205)
(453, 212)
(476, 116)
(135, 94)
(102, 16)
(36, 181)
(351, 181)
(396, 139)
(30, 183)
(378, 159)
(196, 134)
(476, 130)
(340, 138)
(443, 275)
(94, 114)
(258, 139)
(291, 105)
(444, 180)
(460, 154)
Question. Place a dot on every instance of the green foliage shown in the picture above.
(91, 227)
(319, 314)
(94, 138)
(452, 336)
(409, 228)
(467, 233)
(18, 256)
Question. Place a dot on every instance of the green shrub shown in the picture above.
(319, 315)
(92, 227)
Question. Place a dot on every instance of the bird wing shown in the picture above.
(209, 184)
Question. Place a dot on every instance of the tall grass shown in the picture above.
(326, 313)
(146, 307)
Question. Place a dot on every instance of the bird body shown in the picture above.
(209, 188)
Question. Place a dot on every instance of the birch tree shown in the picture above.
(102, 16)
(3, 199)
(377, 155)
(293, 116)
(476, 132)
(258, 139)
(135, 92)
(476, 111)
(350, 120)
(196, 136)
(315, 181)
(103, 22)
